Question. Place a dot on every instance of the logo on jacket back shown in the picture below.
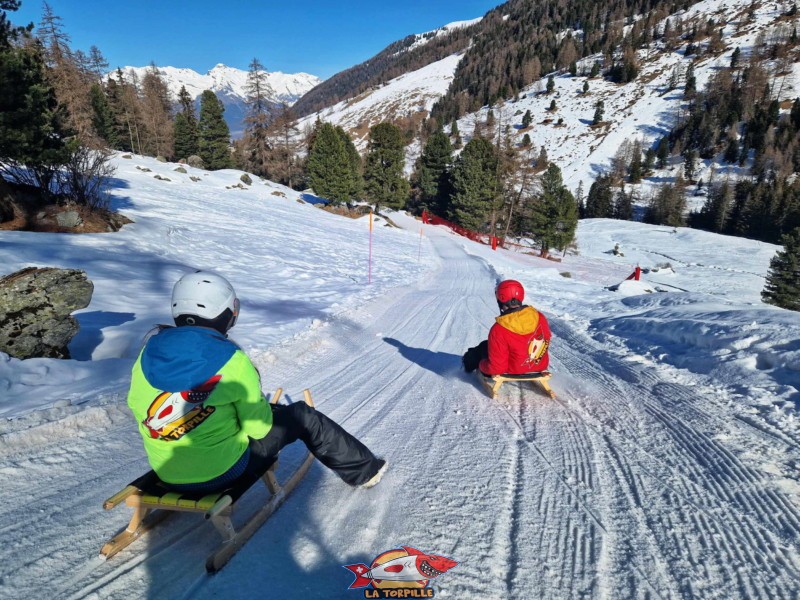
(536, 349)
(174, 414)
(401, 573)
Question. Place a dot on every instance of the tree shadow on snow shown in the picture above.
(442, 363)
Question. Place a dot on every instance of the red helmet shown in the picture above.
(509, 290)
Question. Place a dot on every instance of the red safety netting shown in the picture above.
(483, 238)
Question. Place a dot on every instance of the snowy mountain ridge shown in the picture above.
(229, 84)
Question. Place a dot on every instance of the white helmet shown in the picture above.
(206, 295)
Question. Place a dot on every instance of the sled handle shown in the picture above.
(276, 396)
(119, 497)
(219, 506)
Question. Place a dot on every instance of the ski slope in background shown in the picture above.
(666, 468)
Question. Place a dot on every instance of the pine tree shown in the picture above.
(691, 83)
(662, 152)
(32, 126)
(384, 182)
(542, 160)
(475, 184)
(623, 206)
(526, 141)
(599, 108)
(586, 87)
(783, 280)
(456, 135)
(595, 70)
(103, 120)
(553, 106)
(668, 205)
(432, 174)
(599, 202)
(185, 127)
(527, 119)
(635, 169)
(551, 84)
(331, 166)
(552, 217)
(214, 137)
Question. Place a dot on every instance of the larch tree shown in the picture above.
(256, 137)
(157, 109)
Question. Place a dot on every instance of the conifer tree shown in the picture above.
(475, 184)
(586, 87)
(32, 126)
(599, 108)
(185, 127)
(691, 83)
(256, 143)
(551, 84)
(68, 75)
(552, 217)
(595, 70)
(455, 134)
(103, 119)
(527, 119)
(214, 137)
(635, 170)
(623, 205)
(331, 166)
(384, 182)
(599, 202)
(157, 109)
(783, 280)
(432, 173)
(526, 141)
(668, 205)
(553, 106)
(283, 137)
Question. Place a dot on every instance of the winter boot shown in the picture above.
(375, 478)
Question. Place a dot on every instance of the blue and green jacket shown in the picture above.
(197, 399)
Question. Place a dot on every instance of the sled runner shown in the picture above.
(152, 502)
(493, 384)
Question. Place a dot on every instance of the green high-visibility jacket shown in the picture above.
(197, 399)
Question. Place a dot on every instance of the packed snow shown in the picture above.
(666, 467)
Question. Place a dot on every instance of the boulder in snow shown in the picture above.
(35, 310)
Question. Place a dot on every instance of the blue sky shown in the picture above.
(315, 36)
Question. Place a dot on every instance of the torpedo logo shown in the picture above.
(403, 573)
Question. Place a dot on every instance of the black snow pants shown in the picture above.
(473, 357)
(351, 460)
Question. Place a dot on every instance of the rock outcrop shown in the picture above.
(35, 311)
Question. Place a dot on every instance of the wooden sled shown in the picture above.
(493, 384)
(152, 502)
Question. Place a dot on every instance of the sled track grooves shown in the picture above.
(752, 529)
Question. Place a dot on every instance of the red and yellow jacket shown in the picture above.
(518, 343)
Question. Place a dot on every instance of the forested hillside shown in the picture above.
(396, 59)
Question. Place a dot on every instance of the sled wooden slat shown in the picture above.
(493, 384)
(150, 507)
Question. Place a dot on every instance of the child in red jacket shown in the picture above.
(518, 341)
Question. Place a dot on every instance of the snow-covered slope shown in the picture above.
(644, 109)
(666, 467)
(409, 96)
(229, 85)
